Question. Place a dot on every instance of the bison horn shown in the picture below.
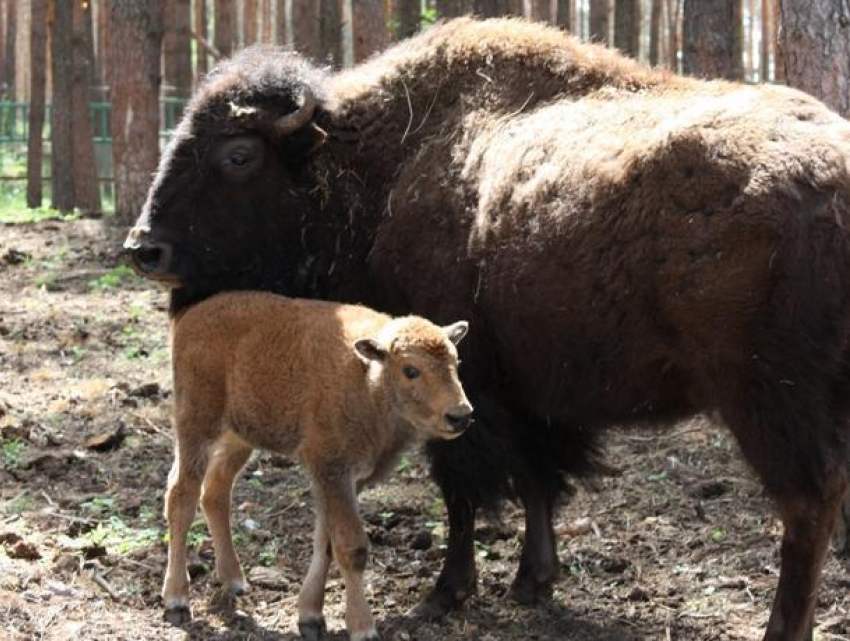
(306, 105)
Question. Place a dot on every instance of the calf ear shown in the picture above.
(456, 331)
(368, 350)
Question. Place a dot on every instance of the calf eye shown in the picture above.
(411, 372)
(240, 160)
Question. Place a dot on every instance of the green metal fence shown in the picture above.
(14, 120)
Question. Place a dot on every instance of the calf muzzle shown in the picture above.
(458, 420)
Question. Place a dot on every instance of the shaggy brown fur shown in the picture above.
(628, 244)
(341, 387)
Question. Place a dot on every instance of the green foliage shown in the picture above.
(11, 453)
(115, 277)
(119, 538)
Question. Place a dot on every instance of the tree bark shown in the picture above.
(62, 139)
(250, 14)
(200, 27)
(407, 15)
(137, 26)
(600, 25)
(23, 30)
(537, 9)
(11, 29)
(655, 33)
(674, 33)
(177, 47)
(712, 39)
(330, 32)
(562, 14)
(815, 41)
(267, 30)
(38, 80)
(86, 187)
(369, 26)
(225, 26)
(281, 24)
(305, 27)
(449, 8)
(627, 27)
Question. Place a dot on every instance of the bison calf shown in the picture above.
(342, 387)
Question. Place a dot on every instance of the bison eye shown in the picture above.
(411, 372)
(240, 157)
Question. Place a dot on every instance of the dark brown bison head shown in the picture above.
(231, 183)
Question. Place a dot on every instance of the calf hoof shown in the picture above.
(237, 587)
(312, 629)
(528, 591)
(178, 615)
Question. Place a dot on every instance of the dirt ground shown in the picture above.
(682, 545)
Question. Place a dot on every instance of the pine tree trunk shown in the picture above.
(655, 33)
(562, 14)
(200, 27)
(62, 139)
(712, 35)
(815, 40)
(674, 25)
(627, 27)
(225, 26)
(407, 16)
(537, 9)
(101, 54)
(600, 25)
(177, 47)
(11, 29)
(281, 24)
(86, 187)
(305, 27)
(23, 30)
(137, 26)
(330, 36)
(267, 30)
(250, 14)
(38, 80)
(778, 54)
(369, 26)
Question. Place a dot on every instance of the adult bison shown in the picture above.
(627, 244)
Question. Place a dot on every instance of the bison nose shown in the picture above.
(149, 257)
(459, 419)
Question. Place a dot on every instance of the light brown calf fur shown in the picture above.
(341, 387)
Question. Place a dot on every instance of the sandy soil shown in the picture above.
(681, 545)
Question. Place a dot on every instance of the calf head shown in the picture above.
(414, 365)
(226, 198)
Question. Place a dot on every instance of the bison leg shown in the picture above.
(842, 531)
(337, 501)
(809, 521)
(539, 567)
(181, 503)
(311, 598)
(457, 580)
(229, 456)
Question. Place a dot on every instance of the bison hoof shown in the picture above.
(312, 629)
(527, 591)
(435, 606)
(180, 615)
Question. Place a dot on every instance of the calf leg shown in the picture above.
(842, 532)
(337, 501)
(229, 456)
(539, 567)
(311, 599)
(181, 502)
(457, 580)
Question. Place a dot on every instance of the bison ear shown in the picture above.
(368, 350)
(456, 331)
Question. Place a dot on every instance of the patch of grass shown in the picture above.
(99, 506)
(18, 505)
(11, 452)
(115, 277)
(119, 538)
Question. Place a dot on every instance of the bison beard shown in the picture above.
(626, 244)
